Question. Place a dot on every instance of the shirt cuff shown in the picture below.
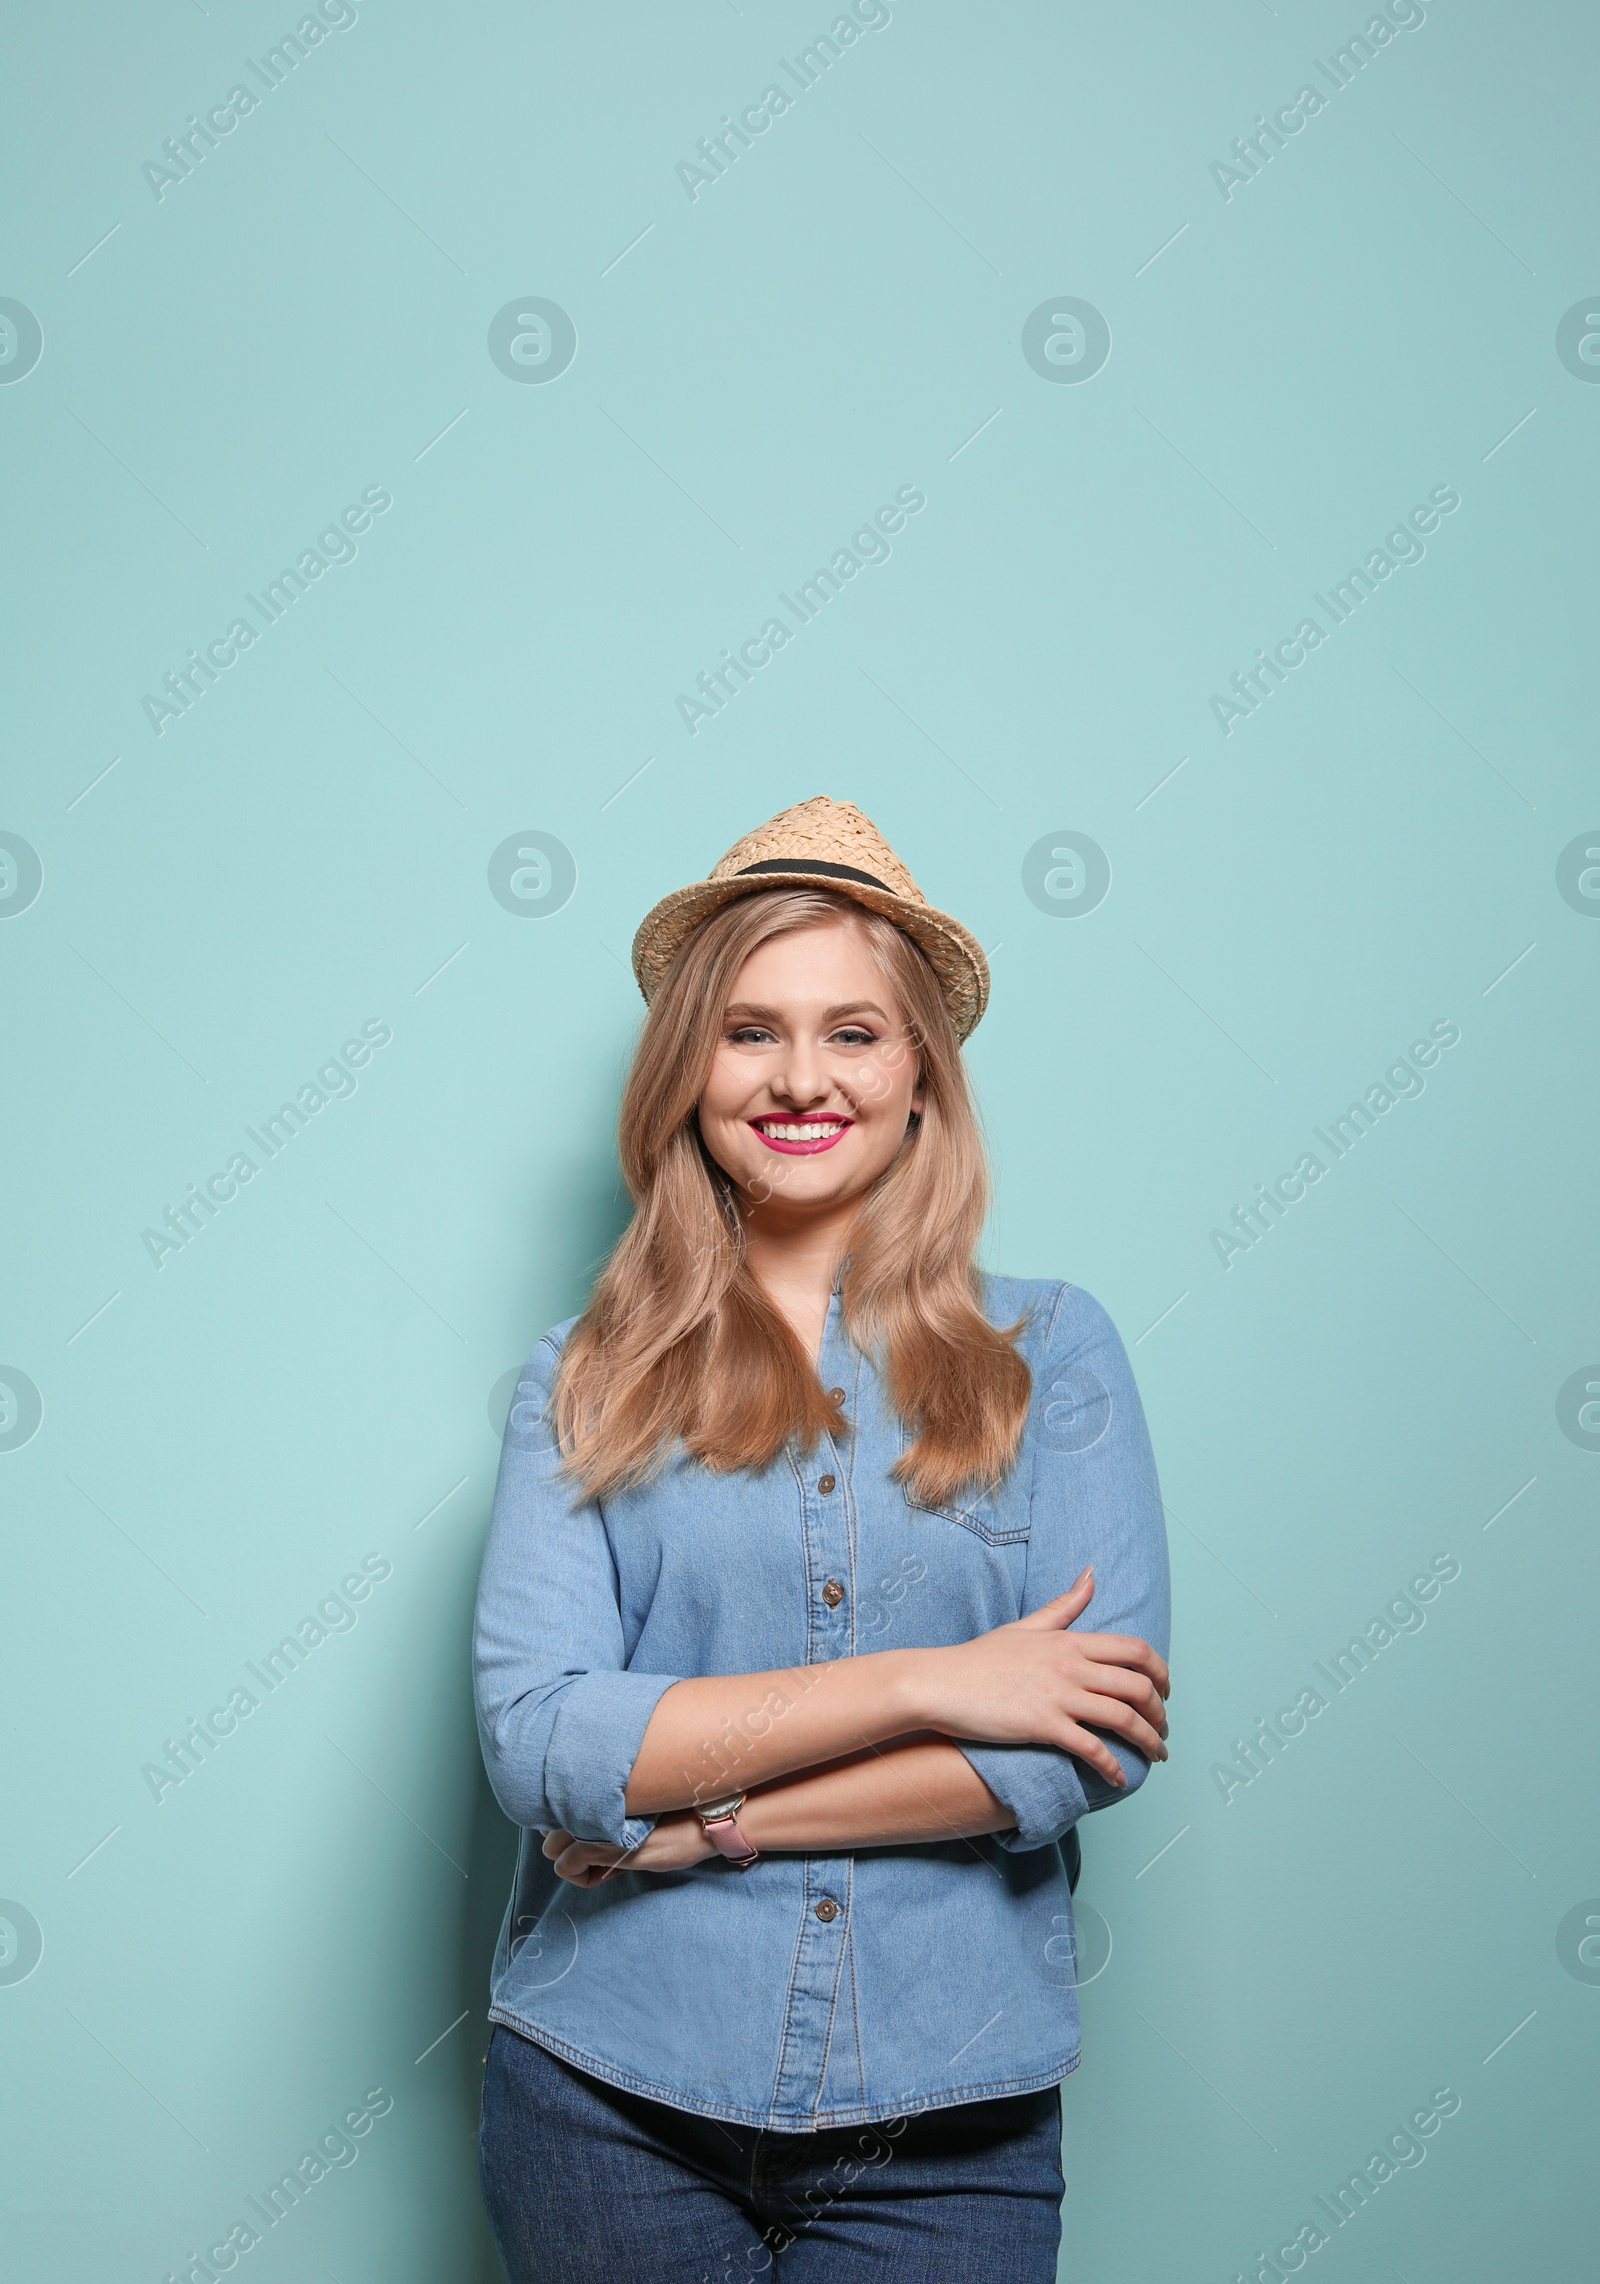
(594, 1743)
(1040, 1785)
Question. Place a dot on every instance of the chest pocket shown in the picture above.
(998, 1517)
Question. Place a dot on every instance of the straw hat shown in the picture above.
(821, 844)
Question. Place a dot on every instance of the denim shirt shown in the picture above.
(843, 1986)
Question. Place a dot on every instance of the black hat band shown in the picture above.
(815, 864)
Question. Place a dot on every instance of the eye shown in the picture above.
(747, 1035)
(855, 1035)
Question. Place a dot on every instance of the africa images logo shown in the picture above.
(337, 544)
(336, 1078)
(720, 684)
(1402, 1081)
(1254, 685)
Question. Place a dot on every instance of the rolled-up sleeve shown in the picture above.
(1095, 1500)
(560, 1717)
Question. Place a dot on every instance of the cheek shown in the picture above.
(724, 1092)
(883, 1115)
(885, 1086)
(725, 1101)
(720, 1130)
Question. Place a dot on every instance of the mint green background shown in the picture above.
(1366, 1389)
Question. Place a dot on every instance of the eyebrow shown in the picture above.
(746, 1009)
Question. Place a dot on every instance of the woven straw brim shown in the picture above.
(953, 952)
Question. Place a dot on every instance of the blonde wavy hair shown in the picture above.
(679, 1343)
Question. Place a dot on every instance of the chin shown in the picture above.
(806, 1189)
(802, 1180)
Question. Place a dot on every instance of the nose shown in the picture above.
(804, 1079)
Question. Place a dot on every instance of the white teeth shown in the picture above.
(813, 1131)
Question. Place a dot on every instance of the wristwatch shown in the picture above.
(718, 1818)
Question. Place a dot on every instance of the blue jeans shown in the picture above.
(584, 2182)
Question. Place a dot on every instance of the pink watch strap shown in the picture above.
(723, 1832)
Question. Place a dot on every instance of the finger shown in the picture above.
(1081, 1659)
(1084, 1745)
(1123, 1681)
(586, 1856)
(579, 1866)
(1128, 1649)
(1064, 1608)
(556, 1844)
(1111, 1713)
(1135, 1689)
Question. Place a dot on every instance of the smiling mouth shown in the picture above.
(801, 1137)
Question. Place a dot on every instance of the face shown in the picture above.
(814, 1078)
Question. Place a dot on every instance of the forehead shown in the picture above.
(825, 966)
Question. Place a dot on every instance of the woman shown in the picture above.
(775, 1641)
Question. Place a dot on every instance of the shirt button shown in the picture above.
(833, 1594)
(824, 1484)
(827, 1908)
(836, 1395)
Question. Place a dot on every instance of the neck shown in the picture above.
(794, 1258)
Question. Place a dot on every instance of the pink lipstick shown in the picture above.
(801, 1137)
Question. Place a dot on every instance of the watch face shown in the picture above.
(715, 1810)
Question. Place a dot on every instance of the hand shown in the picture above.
(1034, 1683)
(676, 1842)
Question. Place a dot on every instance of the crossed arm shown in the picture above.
(860, 1753)
(911, 1789)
